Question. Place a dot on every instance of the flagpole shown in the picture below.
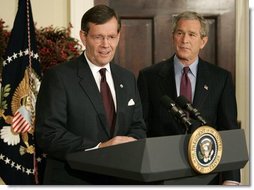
(30, 80)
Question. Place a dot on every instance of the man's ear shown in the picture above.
(82, 36)
(204, 41)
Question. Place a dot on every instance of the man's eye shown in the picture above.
(193, 34)
(98, 37)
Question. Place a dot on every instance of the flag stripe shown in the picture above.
(20, 124)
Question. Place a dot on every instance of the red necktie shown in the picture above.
(107, 100)
(185, 86)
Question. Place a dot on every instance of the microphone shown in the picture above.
(178, 113)
(185, 104)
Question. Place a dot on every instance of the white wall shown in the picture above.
(45, 12)
(77, 9)
(8, 11)
(243, 75)
(58, 13)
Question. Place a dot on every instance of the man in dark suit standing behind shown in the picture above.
(70, 111)
(211, 91)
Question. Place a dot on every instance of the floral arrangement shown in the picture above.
(4, 37)
(55, 45)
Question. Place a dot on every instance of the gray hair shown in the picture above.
(188, 15)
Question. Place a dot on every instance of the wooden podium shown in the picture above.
(159, 160)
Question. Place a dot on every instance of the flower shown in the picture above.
(55, 45)
(4, 37)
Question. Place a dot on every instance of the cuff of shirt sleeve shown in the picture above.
(97, 146)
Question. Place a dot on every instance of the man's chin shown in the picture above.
(104, 62)
(183, 57)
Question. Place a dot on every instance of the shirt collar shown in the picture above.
(94, 68)
(179, 66)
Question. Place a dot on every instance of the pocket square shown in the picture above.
(131, 102)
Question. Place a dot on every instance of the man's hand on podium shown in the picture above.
(117, 140)
(230, 183)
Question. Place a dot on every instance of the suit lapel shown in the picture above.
(168, 85)
(202, 84)
(89, 86)
(167, 73)
(119, 85)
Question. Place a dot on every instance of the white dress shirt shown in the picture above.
(97, 76)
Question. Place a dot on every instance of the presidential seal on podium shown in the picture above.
(205, 149)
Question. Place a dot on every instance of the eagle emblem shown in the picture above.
(21, 122)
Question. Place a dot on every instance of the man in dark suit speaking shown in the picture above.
(88, 102)
(209, 87)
